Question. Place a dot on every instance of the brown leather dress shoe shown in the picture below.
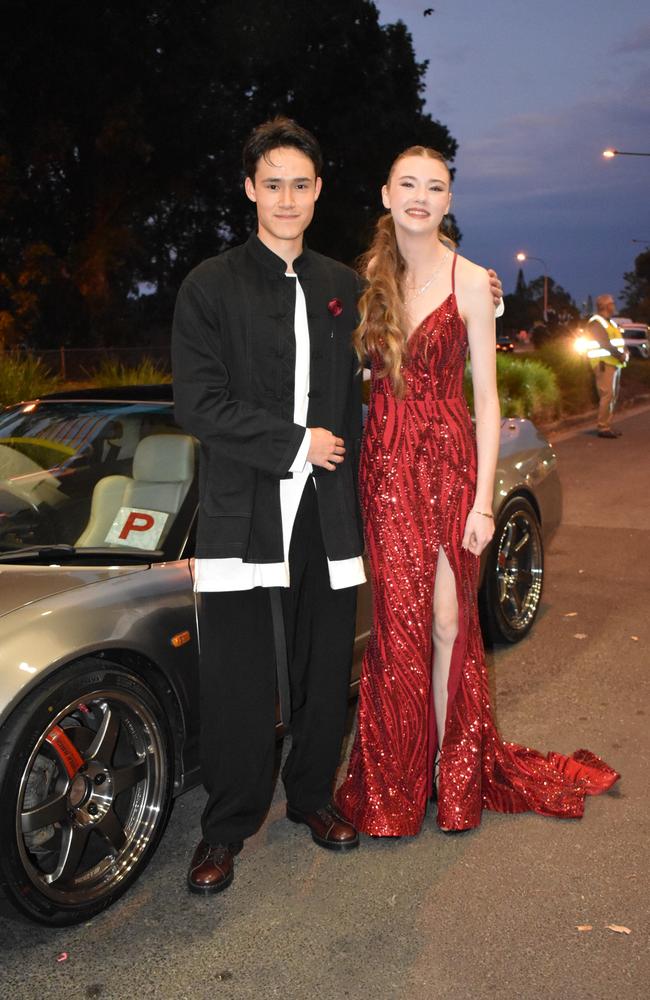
(212, 867)
(328, 829)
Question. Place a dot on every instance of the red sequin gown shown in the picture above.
(418, 476)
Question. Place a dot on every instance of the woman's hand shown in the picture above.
(478, 531)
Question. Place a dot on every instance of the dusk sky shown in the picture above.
(533, 92)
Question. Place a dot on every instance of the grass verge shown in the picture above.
(113, 373)
(24, 377)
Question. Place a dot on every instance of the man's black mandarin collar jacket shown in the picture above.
(233, 354)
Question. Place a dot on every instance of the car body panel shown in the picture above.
(527, 466)
(24, 585)
(134, 614)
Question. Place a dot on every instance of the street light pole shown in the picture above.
(521, 256)
(609, 154)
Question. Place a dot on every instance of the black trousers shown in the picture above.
(238, 686)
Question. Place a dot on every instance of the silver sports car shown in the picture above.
(98, 639)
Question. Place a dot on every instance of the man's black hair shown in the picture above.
(277, 133)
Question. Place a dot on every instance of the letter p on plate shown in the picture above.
(136, 521)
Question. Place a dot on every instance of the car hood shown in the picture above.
(23, 585)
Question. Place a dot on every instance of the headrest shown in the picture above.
(164, 458)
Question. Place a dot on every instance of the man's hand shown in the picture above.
(325, 450)
(495, 286)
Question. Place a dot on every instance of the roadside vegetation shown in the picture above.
(555, 382)
(551, 383)
(636, 378)
(573, 375)
(526, 388)
(112, 373)
(24, 377)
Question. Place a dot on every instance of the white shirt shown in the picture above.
(234, 574)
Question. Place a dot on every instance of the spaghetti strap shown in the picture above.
(453, 273)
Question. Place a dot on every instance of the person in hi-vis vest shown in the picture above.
(608, 356)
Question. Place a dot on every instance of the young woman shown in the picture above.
(425, 726)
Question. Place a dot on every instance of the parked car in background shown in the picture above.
(505, 342)
(99, 698)
(636, 336)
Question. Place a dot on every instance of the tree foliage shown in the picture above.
(637, 289)
(122, 128)
(525, 308)
(521, 311)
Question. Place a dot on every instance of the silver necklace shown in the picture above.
(420, 291)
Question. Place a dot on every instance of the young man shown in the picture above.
(265, 378)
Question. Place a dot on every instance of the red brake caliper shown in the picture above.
(65, 748)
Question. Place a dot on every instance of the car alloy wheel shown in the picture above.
(514, 572)
(86, 765)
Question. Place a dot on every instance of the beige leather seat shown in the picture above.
(163, 469)
(27, 480)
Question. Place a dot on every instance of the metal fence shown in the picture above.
(81, 362)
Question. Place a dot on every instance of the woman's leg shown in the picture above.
(444, 631)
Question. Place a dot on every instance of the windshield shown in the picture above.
(94, 474)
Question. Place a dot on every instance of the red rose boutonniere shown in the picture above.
(335, 306)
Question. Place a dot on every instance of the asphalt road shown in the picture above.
(490, 914)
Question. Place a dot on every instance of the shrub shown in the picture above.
(22, 376)
(573, 373)
(637, 373)
(526, 388)
(112, 373)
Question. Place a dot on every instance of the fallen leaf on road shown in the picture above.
(580, 635)
(584, 927)
(570, 614)
(619, 928)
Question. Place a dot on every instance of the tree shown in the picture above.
(637, 289)
(521, 288)
(525, 309)
(560, 303)
(122, 128)
(520, 311)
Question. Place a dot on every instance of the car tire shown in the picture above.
(86, 791)
(511, 591)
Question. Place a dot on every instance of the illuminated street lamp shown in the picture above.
(521, 256)
(609, 154)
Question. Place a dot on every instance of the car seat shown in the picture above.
(163, 469)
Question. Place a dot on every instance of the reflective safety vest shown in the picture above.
(596, 353)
